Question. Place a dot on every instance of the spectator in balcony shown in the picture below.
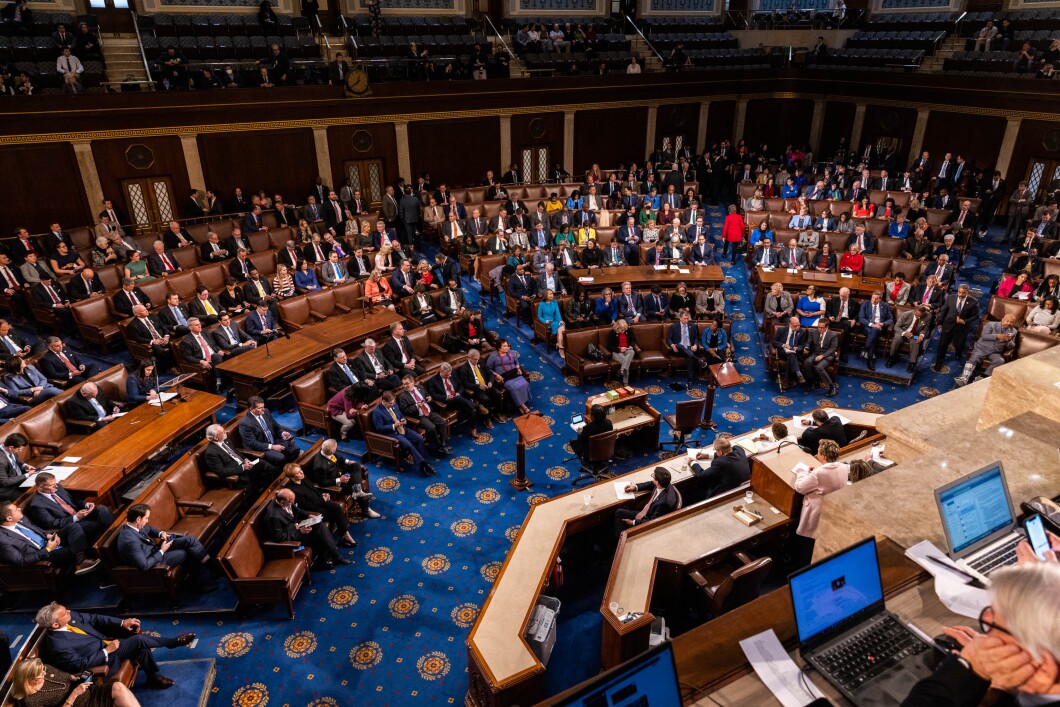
(267, 19)
(533, 35)
(18, 14)
(68, 65)
(264, 78)
(229, 78)
(310, 9)
(678, 58)
(207, 80)
(557, 41)
(23, 84)
(985, 36)
(375, 16)
(278, 64)
(71, 86)
(634, 65)
(1005, 34)
(62, 36)
(1027, 59)
(820, 49)
(5, 88)
(1046, 72)
(172, 68)
(522, 40)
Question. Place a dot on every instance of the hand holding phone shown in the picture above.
(1036, 535)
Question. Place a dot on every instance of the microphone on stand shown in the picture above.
(158, 389)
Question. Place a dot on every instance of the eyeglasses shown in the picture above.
(986, 623)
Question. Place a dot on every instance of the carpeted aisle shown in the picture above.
(390, 628)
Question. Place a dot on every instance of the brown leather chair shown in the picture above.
(295, 314)
(421, 347)
(94, 322)
(48, 431)
(183, 284)
(260, 242)
(435, 334)
(725, 588)
(876, 267)
(186, 484)
(111, 383)
(654, 354)
(323, 305)
(596, 461)
(111, 277)
(348, 296)
(578, 361)
(379, 444)
(156, 291)
(263, 573)
(212, 276)
(187, 258)
(687, 416)
(311, 398)
(890, 247)
(265, 263)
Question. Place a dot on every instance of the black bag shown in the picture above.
(452, 344)
(593, 353)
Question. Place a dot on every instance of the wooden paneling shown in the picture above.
(889, 121)
(720, 120)
(976, 137)
(1029, 144)
(549, 130)
(458, 151)
(342, 147)
(838, 120)
(42, 184)
(609, 137)
(680, 119)
(112, 167)
(281, 161)
(778, 121)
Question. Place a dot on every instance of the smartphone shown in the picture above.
(1036, 536)
(86, 677)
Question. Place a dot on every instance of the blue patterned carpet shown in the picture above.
(390, 628)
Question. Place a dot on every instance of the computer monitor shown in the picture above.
(975, 509)
(649, 680)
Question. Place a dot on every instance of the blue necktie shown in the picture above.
(349, 373)
(268, 435)
(31, 535)
(98, 407)
(180, 316)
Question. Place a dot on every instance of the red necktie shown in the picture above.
(401, 343)
(7, 276)
(792, 258)
(68, 365)
(55, 297)
(169, 265)
(927, 296)
(320, 254)
(63, 504)
(449, 392)
(205, 348)
(425, 409)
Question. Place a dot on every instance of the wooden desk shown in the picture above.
(825, 282)
(252, 371)
(631, 414)
(719, 375)
(115, 451)
(502, 670)
(532, 428)
(656, 557)
(644, 276)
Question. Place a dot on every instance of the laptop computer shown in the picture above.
(649, 680)
(978, 522)
(847, 634)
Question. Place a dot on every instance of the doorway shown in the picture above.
(366, 176)
(1043, 178)
(114, 16)
(536, 161)
(150, 202)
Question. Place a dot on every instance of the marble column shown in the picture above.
(320, 143)
(401, 134)
(568, 141)
(86, 164)
(506, 144)
(739, 120)
(917, 143)
(817, 125)
(190, 145)
(855, 130)
(1008, 143)
(701, 130)
(649, 136)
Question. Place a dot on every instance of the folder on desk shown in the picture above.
(61, 474)
(749, 446)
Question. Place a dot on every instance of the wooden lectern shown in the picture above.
(532, 428)
(721, 375)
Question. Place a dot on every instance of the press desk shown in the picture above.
(798, 281)
(252, 371)
(502, 670)
(116, 450)
(631, 414)
(644, 276)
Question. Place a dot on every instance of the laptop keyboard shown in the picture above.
(1002, 556)
(869, 652)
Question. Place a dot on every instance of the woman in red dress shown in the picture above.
(732, 233)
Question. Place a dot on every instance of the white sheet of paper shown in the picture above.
(845, 274)
(799, 468)
(660, 267)
(166, 397)
(777, 670)
(119, 414)
(621, 493)
(684, 271)
(793, 271)
(924, 549)
(311, 521)
(959, 597)
(72, 460)
(61, 474)
(765, 269)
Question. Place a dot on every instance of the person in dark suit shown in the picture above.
(452, 301)
(521, 287)
(205, 307)
(258, 432)
(91, 405)
(61, 364)
(236, 241)
(129, 297)
(174, 315)
(875, 318)
(92, 643)
(630, 304)
(403, 282)
(388, 420)
(956, 317)
(340, 373)
(52, 506)
(49, 293)
(177, 237)
(820, 353)
(728, 469)
(147, 329)
(280, 518)
(683, 339)
(371, 364)
(824, 427)
(84, 285)
(240, 266)
(317, 250)
(313, 499)
(399, 354)
(338, 70)
(446, 269)
(789, 342)
(137, 548)
(928, 293)
(23, 544)
(415, 405)
(764, 254)
(261, 324)
(258, 290)
(213, 251)
(220, 458)
(13, 471)
(445, 389)
(252, 222)
(162, 262)
(199, 348)
(842, 314)
(289, 256)
(330, 468)
(598, 424)
(664, 499)
(478, 382)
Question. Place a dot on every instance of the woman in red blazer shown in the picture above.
(732, 233)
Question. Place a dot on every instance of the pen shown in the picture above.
(974, 581)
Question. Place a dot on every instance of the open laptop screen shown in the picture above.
(648, 679)
(833, 591)
(975, 507)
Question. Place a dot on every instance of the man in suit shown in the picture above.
(261, 324)
(446, 269)
(230, 338)
(789, 342)
(257, 290)
(23, 544)
(212, 251)
(496, 244)
(792, 256)
(388, 420)
(161, 262)
(928, 293)
(199, 348)
(452, 228)
(371, 364)
(963, 218)
(147, 329)
(549, 280)
(116, 217)
(820, 352)
(61, 364)
(318, 190)
(333, 272)
(479, 382)
(992, 191)
(11, 344)
(614, 255)
(258, 432)
(220, 458)
(996, 339)
(358, 266)
(447, 391)
(176, 236)
(91, 405)
(402, 281)
(452, 301)
(454, 206)
(389, 208)
(85, 285)
(875, 318)
(1045, 227)
(289, 256)
(334, 213)
(702, 252)
(683, 339)
(136, 547)
(14, 286)
(943, 271)
(281, 519)
(53, 507)
(1019, 205)
(328, 468)
(49, 293)
(399, 354)
(663, 500)
(728, 469)
(205, 307)
(340, 373)
(240, 266)
(235, 242)
(174, 315)
(656, 305)
(823, 427)
(285, 214)
(956, 316)
(252, 222)
(913, 327)
(630, 304)
(863, 239)
(764, 255)
(414, 403)
(383, 235)
(521, 287)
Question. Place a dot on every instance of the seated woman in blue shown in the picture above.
(715, 342)
(516, 258)
(574, 201)
(810, 307)
(899, 228)
(606, 307)
(140, 387)
(548, 314)
(789, 190)
(763, 231)
(305, 277)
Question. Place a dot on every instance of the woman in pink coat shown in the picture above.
(732, 232)
(813, 484)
